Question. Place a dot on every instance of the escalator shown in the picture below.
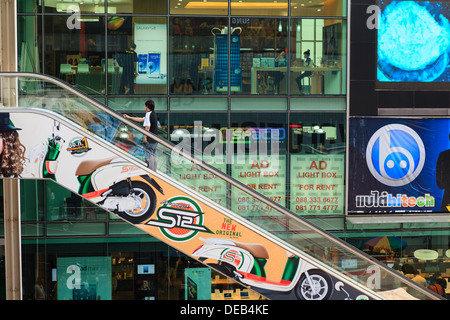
(94, 151)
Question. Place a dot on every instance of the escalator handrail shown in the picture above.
(339, 242)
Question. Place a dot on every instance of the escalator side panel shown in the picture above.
(177, 216)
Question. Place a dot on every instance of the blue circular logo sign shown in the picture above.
(395, 155)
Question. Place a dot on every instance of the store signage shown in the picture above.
(198, 284)
(398, 165)
(265, 175)
(84, 278)
(317, 184)
(249, 135)
(200, 179)
(395, 155)
(151, 49)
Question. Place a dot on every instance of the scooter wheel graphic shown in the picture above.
(146, 198)
(320, 289)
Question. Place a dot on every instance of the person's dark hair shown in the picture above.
(308, 52)
(150, 104)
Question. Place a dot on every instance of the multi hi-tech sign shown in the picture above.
(395, 155)
(399, 166)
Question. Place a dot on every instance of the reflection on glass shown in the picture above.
(259, 8)
(137, 104)
(265, 128)
(319, 8)
(198, 129)
(137, 6)
(263, 51)
(198, 7)
(318, 54)
(29, 37)
(137, 52)
(198, 56)
(62, 205)
(81, 6)
(76, 56)
(262, 138)
(317, 163)
(28, 6)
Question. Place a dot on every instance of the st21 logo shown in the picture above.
(395, 155)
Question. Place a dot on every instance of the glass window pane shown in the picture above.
(317, 133)
(262, 55)
(136, 107)
(79, 6)
(28, 6)
(137, 6)
(257, 121)
(137, 55)
(307, 27)
(136, 104)
(183, 127)
(32, 193)
(198, 55)
(76, 55)
(317, 163)
(192, 104)
(198, 7)
(74, 229)
(264, 166)
(318, 57)
(259, 8)
(29, 39)
(319, 27)
(319, 8)
(259, 104)
(318, 104)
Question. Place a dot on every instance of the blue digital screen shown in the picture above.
(413, 42)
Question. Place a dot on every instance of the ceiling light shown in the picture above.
(88, 19)
(66, 7)
(236, 5)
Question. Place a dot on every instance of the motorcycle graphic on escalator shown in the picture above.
(245, 263)
(112, 183)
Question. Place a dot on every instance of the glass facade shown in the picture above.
(200, 48)
(233, 64)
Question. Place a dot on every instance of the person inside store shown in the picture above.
(39, 292)
(419, 279)
(441, 281)
(277, 76)
(407, 269)
(435, 287)
(306, 63)
(128, 61)
(150, 123)
(11, 149)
